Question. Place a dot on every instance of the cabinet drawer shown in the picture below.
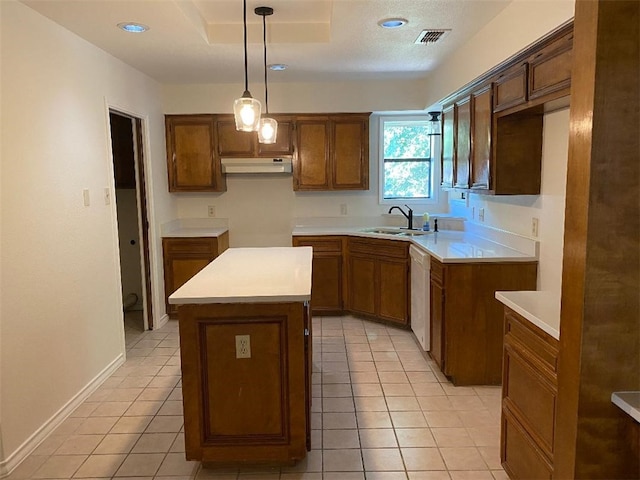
(190, 246)
(320, 244)
(550, 69)
(437, 272)
(532, 396)
(379, 248)
(538, 347)
(520, 456)
(510, 88)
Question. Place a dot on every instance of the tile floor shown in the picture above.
(380, 412)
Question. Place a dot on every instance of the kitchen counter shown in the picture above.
(250, 275)
(629, 402)
(539, 307)
(195, 232)
(446, 246)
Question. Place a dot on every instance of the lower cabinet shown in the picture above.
(378, 285)
(529, 397)
(466, 319)
(183, 257)
(327, 273)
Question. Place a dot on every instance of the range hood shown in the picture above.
(256, 165)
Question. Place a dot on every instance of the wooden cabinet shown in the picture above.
(332, 152)
(481, 130)
(327, 273)
(378, 279)
(232, 143)
(463, 143)
(192, 163)
(250, 410)
(510, 88)
(466, 319)
(448, 146)
(550, 68)
(529, 397)
(186, 256)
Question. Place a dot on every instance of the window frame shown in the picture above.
(435, 163)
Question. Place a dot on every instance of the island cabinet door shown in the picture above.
(245, 386)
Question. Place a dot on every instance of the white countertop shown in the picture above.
(195, 232)
(539, 307)
(251, 275)
(629, 402)
(447, 246)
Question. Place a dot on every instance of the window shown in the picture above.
(407, 167)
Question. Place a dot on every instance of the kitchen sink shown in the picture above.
(395, 231)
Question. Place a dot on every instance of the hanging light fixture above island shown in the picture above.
(246, 109)
(268, 127)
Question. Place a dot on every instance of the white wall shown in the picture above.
(515, 213)
(60, 312)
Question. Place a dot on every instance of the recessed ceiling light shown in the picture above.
(393, 22)
(132, 27)
(277, 67)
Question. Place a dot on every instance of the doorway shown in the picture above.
(133, 224)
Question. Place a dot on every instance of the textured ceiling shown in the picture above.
(200, 41)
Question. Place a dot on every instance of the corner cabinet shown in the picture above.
(529, 399)
(327, 273)
(192, 163)
(332, 152)
(466, 319)
(378, 279)
(183, 257)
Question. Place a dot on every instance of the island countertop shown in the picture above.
(251, 275)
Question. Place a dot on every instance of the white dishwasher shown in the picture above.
(420, 300)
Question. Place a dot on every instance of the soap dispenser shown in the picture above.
(425, 222)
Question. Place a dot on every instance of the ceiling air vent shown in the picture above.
(431, 36)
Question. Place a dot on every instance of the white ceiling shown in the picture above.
(200, 41)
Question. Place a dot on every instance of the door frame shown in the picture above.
(138, 123)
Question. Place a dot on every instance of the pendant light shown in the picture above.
(268, 128)
(246, 109)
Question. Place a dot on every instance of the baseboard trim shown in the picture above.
(30, 444)
(161, 322)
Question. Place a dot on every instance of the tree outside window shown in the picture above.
(407, 163)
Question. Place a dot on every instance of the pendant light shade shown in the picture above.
(246, 109)
(268, 129)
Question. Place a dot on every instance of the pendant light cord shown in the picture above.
(264, 42)
(246, 77)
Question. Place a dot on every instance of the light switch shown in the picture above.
(85, 197)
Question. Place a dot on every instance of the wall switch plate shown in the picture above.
(243, 346)
(343, 209)
(211, 210)
(481, 214)
(107, 196)
(534, 226)
(86, 199)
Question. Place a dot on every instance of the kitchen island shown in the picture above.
(245, 346)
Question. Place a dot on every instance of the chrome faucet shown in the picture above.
(409, 215)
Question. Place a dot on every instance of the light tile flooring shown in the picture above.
(380, 412)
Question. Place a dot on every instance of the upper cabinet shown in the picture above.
(192, 163)
(332, 152)
(492, 128)
(232, 143)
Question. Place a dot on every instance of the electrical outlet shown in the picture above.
(534, 226)
(211, 210)
(243, 346)
(481, 214)
(473, 213)
(107, 196)
(343, 209)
